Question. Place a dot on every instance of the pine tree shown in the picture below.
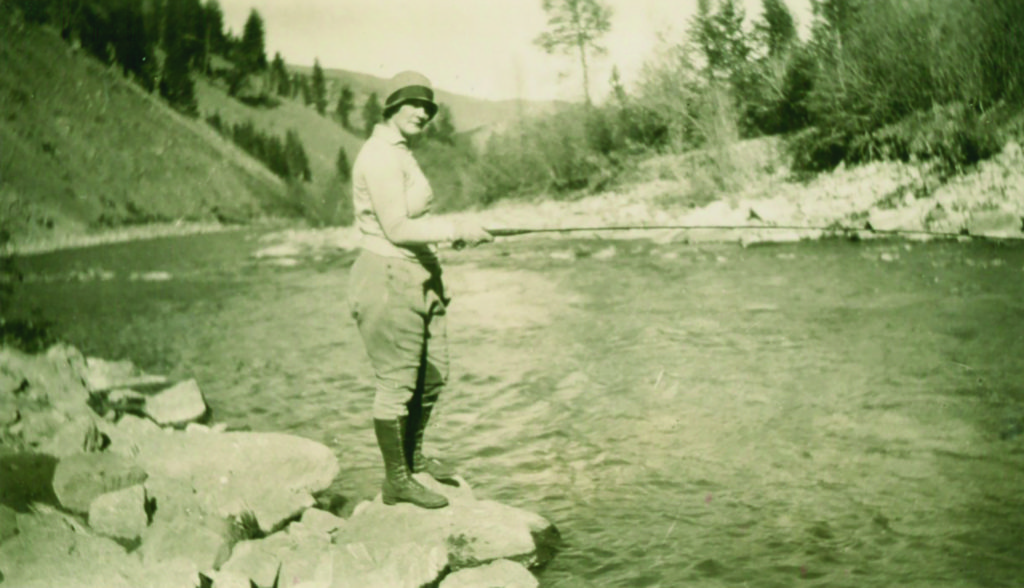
(576, 26)
(133, 48)
(319, 88)
(295, 155)
(342, 165)
(252, 52)
(346, 104)
(372, 113)
(176, 85)
(216, 39)
(280, 82)
(777, 27)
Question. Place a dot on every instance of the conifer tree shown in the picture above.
(280, 82)
(346, 104)
(372, 113)
(176, 85)
(252, 52)
(777, 27)
(342, 165)
(295, 155)
(319, 88)
(216, 38)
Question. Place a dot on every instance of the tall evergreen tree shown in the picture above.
(342, 165)
(372, 113)
(184, 30)
(216, 38)
(346, 104)
(252, 51)
(280, 82)
(319, 88)
(295, 155)
(777, 27)
(176, 85)
(576, 26)
(133, 47)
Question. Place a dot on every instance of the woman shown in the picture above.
(396, 293)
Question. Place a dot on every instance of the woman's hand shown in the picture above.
(470, 234)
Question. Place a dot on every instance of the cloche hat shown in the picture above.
(409, 86)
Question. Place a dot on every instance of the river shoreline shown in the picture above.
(887, 196)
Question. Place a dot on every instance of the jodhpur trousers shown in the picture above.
(399, 307)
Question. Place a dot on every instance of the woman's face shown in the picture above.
(410, 118)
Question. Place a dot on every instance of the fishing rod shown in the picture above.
(833, 228)
(510, 232)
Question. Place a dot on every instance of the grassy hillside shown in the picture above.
(321, 136)
(82, 148)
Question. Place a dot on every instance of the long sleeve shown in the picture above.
(385, 182)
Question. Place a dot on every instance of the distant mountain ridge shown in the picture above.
(470, 113)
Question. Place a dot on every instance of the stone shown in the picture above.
(317, 522)
(995, 223)
(80, 478)
(167, 541)
(52, 549)
(271, 475)
(177, 405)
(502, 573)
(399, 565)
(80, 435)
(296, 559)
(472, 531)
(223, 579)
(120, 514)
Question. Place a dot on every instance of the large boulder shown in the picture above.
(79, 479)
(271, 476)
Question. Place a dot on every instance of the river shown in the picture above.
(819, 414)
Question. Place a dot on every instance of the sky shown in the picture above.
(480, 48)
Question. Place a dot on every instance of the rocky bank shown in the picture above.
(110, 477)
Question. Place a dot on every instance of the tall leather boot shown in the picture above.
(399, 485)
(418, 462)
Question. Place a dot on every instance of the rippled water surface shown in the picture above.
(829, 414)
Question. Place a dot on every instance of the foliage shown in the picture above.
(576, 26)
(319, 88)
(346, 104)
(251, 53)
(342, 166)
(287, 159)
(372, 113)
(280, 83)
(442, 128)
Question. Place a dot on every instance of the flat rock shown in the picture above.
(270, 475)
(183, 539)
(177, 405)
(473, 531)
(120, 514)
(80, 478)
(502, 573)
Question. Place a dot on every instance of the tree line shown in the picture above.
(940, 81)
